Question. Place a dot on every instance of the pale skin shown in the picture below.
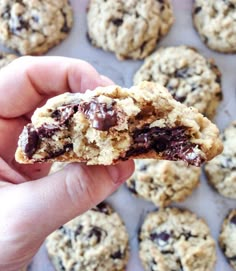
(32, 204)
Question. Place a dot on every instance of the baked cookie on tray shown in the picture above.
(190, 77)
(221, 171)
(227, 238)
(215, 22)
(163, 182)
(112, 124)
(130, 29)
(33, 27)
(174, 239)
(6, 59)
(94, 241)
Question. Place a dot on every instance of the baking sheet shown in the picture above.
(204, 201)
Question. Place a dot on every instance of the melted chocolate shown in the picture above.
(101, 116)
(29, 140)
(102, 208)
(47, 130)
(172, 143)
(64, 113)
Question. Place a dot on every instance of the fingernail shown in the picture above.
(106, 80)
(121, 172)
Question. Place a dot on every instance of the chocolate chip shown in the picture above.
(63, 113)
(188, 235)
(22, 24)
(143, 168)
(65, 28)
(47, 130)
(197, 10)
(61, 266)
(29, 140)
(232, 259)
(117, 255)
(160, 238)
(182, 73)
(179, 98)
(79, 230)
(132, 186)
(55, 153)
(88, 38)
(117, 21)
(97, 232)
(233, 220)
(103, 208)
(102, 116)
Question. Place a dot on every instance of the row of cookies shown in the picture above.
(169, 239)
(130, 29)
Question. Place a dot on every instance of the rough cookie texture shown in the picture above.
(163, 182)
(33, 27)
(94, 241)
(6, 59)
(215, 22)
(227, 238)
(191, 78)
(172, 240)
(111, 124)
(221, 171)
(130, 28)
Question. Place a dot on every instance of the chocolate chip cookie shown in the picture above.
(227, 238)
(221, 171)
(130, 29)
(113, 124)
(215, 22)
(94, 241)
(163, 182)
(190, 77)
(33, 27)
(6, 59)
(174, 239)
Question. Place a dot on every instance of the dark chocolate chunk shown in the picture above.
(171, 143)
(102, 116)
(117, 255)
(143, 168)
(29, 140)
(197, 10)
(188, 235)
(233, 220)
(53, 154)
(79, 230)
(64, 113)
(62, 268)
(117, 21)
(160, 238)
(47, 130)
(179, 98)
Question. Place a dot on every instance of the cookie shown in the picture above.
(190, 77)
(227, 238)
(33, 27)
(174, 239)
(130, 29)
(215, 22)
(221, 171)
(163, 182)
(112, 124)
(6, 59)
(94, 241)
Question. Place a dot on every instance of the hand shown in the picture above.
(32, 205)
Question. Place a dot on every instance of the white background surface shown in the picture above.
(204, 201)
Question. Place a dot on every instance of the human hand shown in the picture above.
(32, 205)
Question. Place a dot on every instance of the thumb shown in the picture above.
(46, 204)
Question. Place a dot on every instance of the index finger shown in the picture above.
(27, 81)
